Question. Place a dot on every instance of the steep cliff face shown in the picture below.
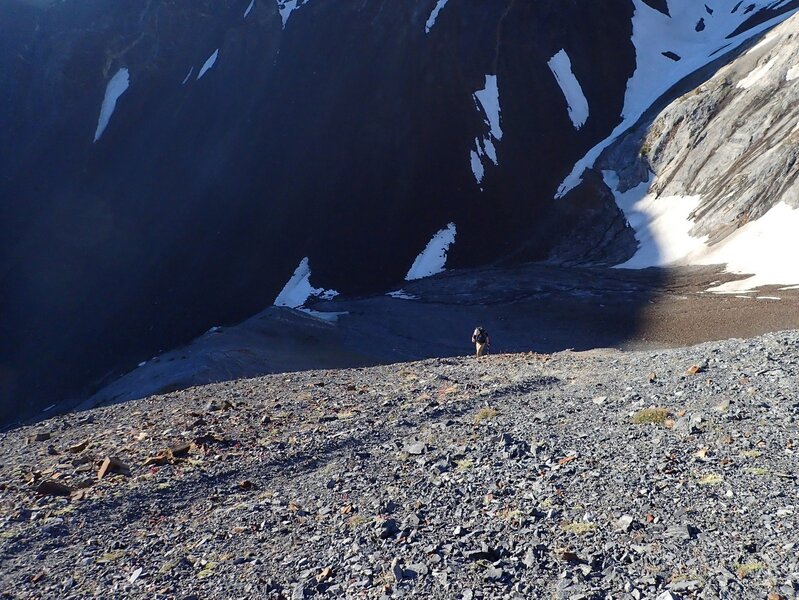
(735, 140)
(721, 160)
(170, 162)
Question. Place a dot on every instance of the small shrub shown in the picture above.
(751, 454)
(759, 471)
(356, 521)
(651, 416)
(579, 528)
(464, 464)
(747, 569)
(485, 414)
(711, 479)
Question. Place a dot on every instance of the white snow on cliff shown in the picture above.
(662, 225)
(188, 76)
(487, 103)
(655, 33)
(764, 249)
(298, 288)
(117, 86)
(793, 73)
(561, 68)
(757, 74)
(434, 257)
(431, 20)
(286, 7)
(208, 64)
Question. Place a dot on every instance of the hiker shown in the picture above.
(480, 340)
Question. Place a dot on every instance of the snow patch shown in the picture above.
(488, 98)
(793, 73)
(431, 20)
(249, 9)
(286, 7)
(402, 295)
(764, 249)
(487, 102)
(561, 68)
(756, 74)
(478, 170)
(208, 64)
(656, 73)
(298, 288)
(327, 317)
(662, 225)
(188, 75)
(434, 257)
(117, 86)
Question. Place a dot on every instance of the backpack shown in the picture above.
(480, 336)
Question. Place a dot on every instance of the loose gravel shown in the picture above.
(604, 474)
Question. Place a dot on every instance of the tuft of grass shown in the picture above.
(356, 521)
(464, 464)
(751, 454)
(759, 471)
(747, 569)
(651, 416)
(579, 528)
(110, 557)
(485, 414)
(711, 479)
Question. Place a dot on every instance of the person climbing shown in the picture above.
(480, 340)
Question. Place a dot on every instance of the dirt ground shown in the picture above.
(540, 308)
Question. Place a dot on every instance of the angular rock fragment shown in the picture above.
(48, 487)
(112, 465)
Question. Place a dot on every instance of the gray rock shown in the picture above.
(416, 448)
(624, 523)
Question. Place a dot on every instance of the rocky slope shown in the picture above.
(662, 474)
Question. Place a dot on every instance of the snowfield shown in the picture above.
(760, 249)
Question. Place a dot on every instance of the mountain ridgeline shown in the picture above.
(167, 164)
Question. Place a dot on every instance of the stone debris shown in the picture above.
(48, 487)
(112, 465)
(560, 494)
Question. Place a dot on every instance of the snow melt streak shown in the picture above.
(487, 100)
(431, 21)
(208, 64)
(116, 87)
(561, 68)
(433, 258)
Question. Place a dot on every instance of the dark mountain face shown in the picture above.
(348, 132)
